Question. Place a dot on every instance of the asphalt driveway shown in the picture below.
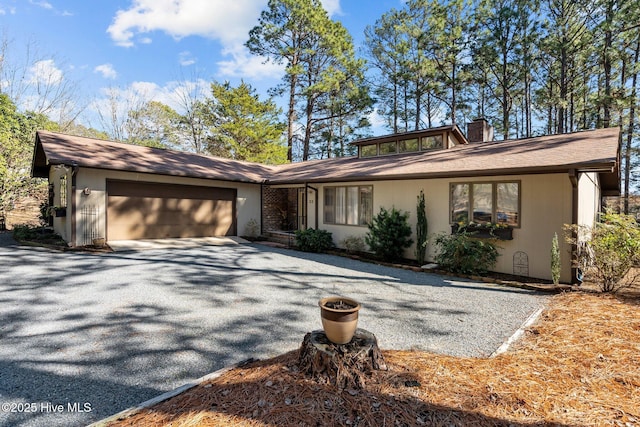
(83, 336)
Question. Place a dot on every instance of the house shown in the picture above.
(531, 186)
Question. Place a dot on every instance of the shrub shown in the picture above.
(389, 234)
(312, 240)
(461, 253)
(353, 244)
(45, 213)
(608, 251)
(421, 229)
(252, 229)
(44, 235)
(23, 232)
(555, 260)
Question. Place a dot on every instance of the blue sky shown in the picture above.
(149, 48)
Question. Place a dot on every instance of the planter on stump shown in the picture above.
(339, 318)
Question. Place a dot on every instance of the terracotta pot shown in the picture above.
(339, 324)
(99, 242)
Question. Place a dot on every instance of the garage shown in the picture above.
(145, 210)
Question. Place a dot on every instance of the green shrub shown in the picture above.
(44, 235)
(312, 240)
(462, 253)
(422, 229)
(44, 214)
(389, 234)
(555, 259)
(23, 232)
(609, 253)
(353, 244)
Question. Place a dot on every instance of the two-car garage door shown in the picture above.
(144, 210)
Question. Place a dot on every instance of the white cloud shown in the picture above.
(243, 64)
(378, 123)
(7, 9)
(43, 4)
(45, 72)
(138, 93)
(228, 22)
(185, 58)
(223, 20)
(107, 71)
(332, 7)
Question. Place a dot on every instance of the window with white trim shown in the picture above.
(348, 205)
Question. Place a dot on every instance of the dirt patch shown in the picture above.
(578, 365)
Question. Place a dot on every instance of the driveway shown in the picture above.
(84, 336)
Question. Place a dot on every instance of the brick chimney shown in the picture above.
(479, 130)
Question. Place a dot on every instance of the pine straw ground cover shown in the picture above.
(579, 364)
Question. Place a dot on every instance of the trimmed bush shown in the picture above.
(462, 253)
(312, 240)
(389, 234)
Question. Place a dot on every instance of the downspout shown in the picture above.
(573, 177)
(306, 187)
(74, 173)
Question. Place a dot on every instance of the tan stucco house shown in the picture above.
(532, 186)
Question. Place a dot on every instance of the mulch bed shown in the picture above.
(579, 364)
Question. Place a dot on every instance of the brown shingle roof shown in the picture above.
(59, 148)
(589, 150)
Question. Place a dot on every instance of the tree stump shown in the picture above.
(343, 365)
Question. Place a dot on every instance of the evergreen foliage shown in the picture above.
(17, 133)
(422, 229)
(555, 259)
(462, 253)
(389, 234)
(324, 81)
(243, 127)
(312, 240)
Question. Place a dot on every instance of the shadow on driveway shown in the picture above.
(115, 329)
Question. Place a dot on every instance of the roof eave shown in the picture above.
(601, 168)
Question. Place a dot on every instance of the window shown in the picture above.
(484, 202)
(508, 203)
(431, 142)
(407, 145)
(388, 148)
(369, 150)
(352, 205)
(63, 191)
(459, 202)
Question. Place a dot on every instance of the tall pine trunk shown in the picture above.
(631, 128)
